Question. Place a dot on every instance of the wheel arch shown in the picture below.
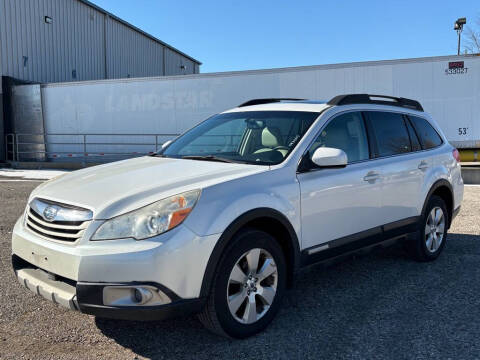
(443, 189)
(265, 219)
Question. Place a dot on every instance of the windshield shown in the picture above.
(253, 137)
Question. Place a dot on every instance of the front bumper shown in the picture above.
(176, 259)
(75, 275)
(88, 298)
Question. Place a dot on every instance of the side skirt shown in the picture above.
(381, 236)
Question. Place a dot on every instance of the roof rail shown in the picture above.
(267, 101)
(375, 99)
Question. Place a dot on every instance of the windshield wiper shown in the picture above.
(209, 158)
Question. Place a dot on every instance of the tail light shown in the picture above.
(456, 154)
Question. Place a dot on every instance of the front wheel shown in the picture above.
(248, 287)
(430, 239)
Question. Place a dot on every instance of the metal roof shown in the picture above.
(96, 7)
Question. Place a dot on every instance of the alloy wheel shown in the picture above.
(252, 286)
(434, 229)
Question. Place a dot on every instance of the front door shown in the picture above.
(339, 202)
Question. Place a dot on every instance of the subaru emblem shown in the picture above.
(49, 213)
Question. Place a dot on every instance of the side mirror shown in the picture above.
(329, 157)
(165, 144)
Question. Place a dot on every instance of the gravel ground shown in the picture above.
(381, 305)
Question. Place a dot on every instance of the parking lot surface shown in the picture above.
(381, 305)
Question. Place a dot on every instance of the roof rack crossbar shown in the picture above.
(375, 99)
(267, 101)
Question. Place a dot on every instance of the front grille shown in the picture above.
(68, 231)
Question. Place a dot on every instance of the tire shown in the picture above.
(230, 286)
(428, 242)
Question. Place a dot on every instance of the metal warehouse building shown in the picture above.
(73, 40)
(47, 41)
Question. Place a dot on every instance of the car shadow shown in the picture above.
(380, 305)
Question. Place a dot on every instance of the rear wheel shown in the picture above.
(429, 241)
(248, 287)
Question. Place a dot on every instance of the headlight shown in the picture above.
(150, 220)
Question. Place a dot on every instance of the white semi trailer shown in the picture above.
(448, 87)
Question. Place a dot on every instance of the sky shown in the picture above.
(227, 35)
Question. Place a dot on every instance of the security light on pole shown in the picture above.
(459, 27)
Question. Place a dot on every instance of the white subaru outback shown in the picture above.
(220, 220)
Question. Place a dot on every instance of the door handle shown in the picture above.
(423, 165)
(372, 176)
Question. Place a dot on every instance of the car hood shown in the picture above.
(116, 188)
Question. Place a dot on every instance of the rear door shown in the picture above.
(402, 164)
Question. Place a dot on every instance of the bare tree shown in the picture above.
(472, 45)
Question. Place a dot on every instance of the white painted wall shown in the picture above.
(171, 105)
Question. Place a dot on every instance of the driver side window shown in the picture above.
(346, 132)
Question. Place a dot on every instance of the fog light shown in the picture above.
(137, 295)
(125, 295)
(142, 295)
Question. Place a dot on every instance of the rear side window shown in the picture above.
(413, 137)
(428, 135)
(390, 133)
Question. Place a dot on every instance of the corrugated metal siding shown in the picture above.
(130, 54)
(174, 63)
(72, 42)
(75, 42)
